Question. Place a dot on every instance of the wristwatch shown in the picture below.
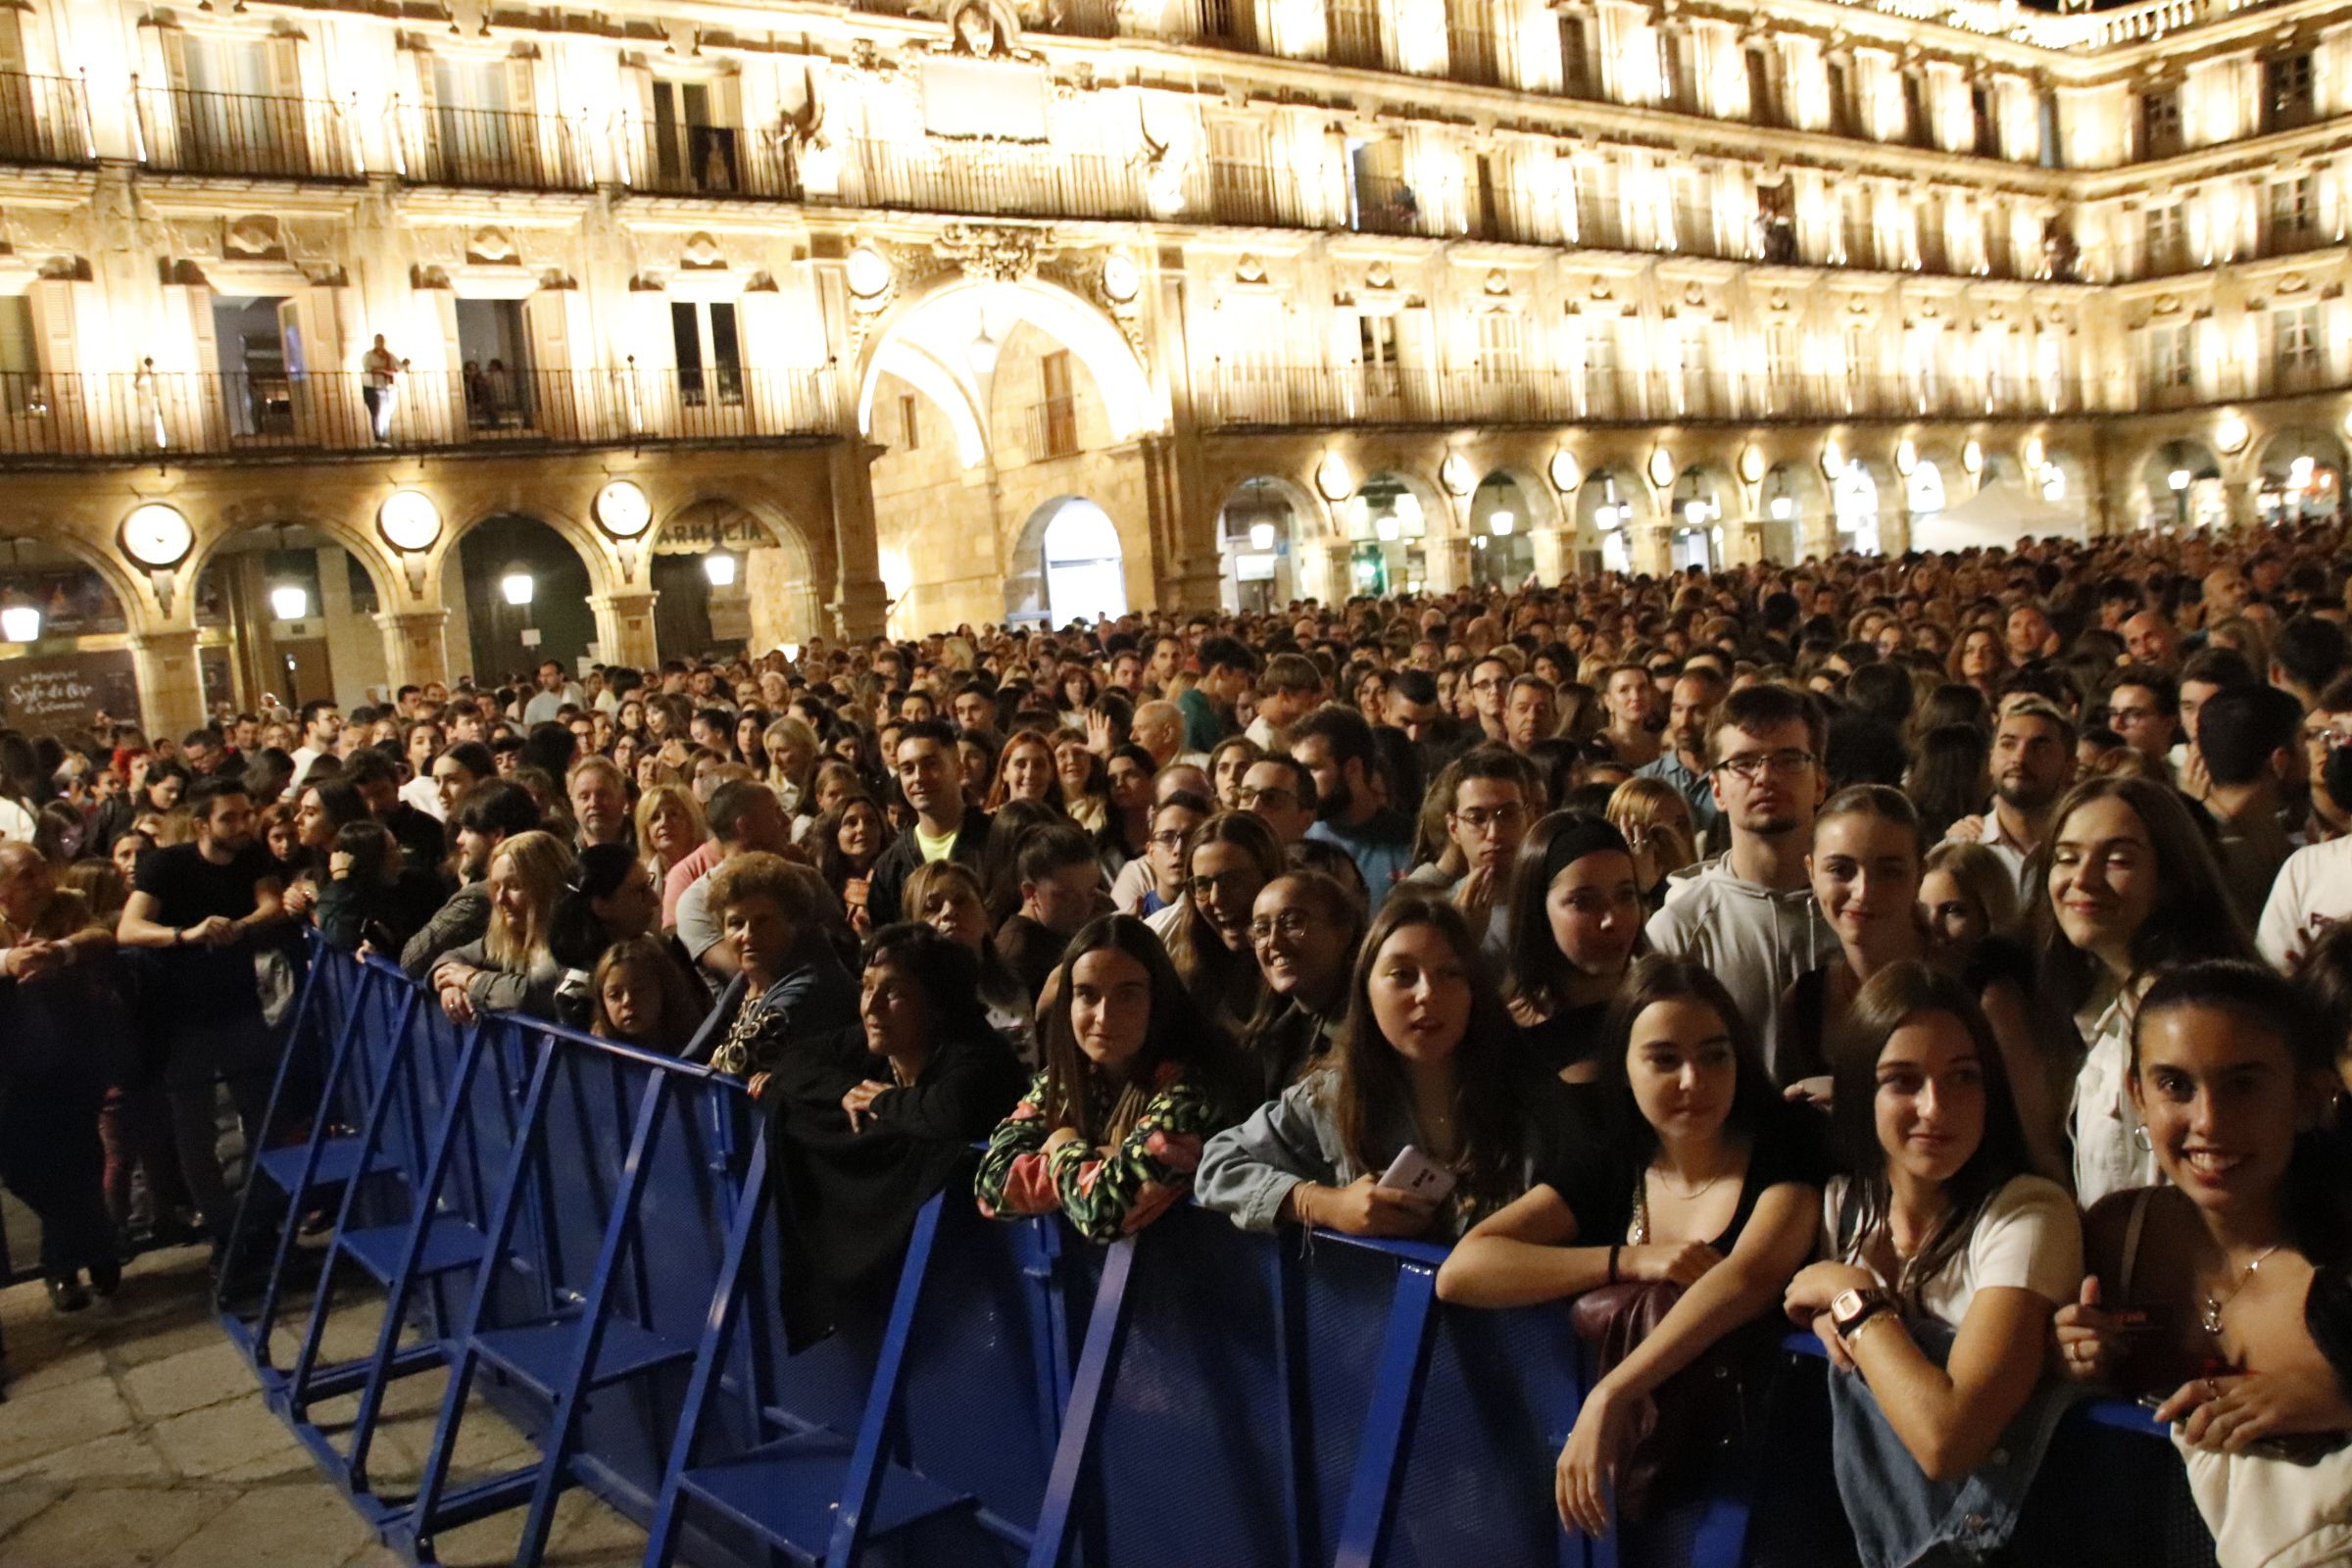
(1850, 1309)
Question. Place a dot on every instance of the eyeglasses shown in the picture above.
(2129, 716)
(1292, 923)
(1479, 819)
(1273, 795)
(1752, 766)
(1168, 840)
(1226, 884)
(1488, 685)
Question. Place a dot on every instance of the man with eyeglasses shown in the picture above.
(1283, 793)
(1490, 688)
(1490, 803)
(1748, 914)
(1155, 880)
(2143, 706)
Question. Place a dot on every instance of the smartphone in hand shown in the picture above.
(1414, 1173)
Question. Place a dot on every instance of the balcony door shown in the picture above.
(226, 119)
(709, 352)
(494, 365)
(257, 342)
(694, 149)
(478, 137)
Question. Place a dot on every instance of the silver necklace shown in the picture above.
(2211, 1318)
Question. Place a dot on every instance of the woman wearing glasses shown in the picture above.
(1229, 859)
(1305, 929)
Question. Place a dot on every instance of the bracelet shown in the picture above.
(1613, 1251)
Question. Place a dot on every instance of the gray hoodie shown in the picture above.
(1756, 941)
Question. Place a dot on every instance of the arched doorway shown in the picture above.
(288, 611)
(728, 580)
(1696, 505)
(1389, 523)
(1259, 547)
(1604, 517)
(1502, 510)
(2185, 489)
(1084, 563)
(1854, 504)
(2301, 477)
(525, 599)
(65, 652)
(1788, 496)
(1922, 492)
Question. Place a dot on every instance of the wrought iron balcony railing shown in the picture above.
(674, 160)
(43, 119)
(490, 147)
(989, 179)
(103, 416)
(244, 135)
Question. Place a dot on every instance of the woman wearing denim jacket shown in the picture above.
(1424, 1061)
(1134, 1080)
(1946, 1261)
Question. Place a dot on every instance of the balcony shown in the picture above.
(43, 121)
(244, 135)
(2289, 233)
(985, 180)
(1051, 427)
(1276, 397)
(720, 160)
(1387, 206)
(1470, 54)
(1253, 195)
(97, 416)
(1352, 35)
(495, 148)
(1082, 19)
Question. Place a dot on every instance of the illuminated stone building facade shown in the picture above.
(929, 317)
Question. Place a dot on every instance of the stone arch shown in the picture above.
(130, 588)
(940, 320)
(784, 592)
(1035, 589)
(587, 541)
(1790, 490)
(2298, 473)
(1301, 537)
(355, 538)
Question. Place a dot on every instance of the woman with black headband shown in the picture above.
(1575, 925)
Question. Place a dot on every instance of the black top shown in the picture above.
(847, 1200)
(205, 985)
(1569, 1037)
(1805, 1044)
(1030, 949)
(898, 862)
(1284, 1046)
(420, 837)
(1598, 1180)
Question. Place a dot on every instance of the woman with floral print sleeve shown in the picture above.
(1134, 1080)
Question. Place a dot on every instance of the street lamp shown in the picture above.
(719, 566)
(1501, 523)
(517, 586)
(19, 621)
(1261, 537)
(289, 601)
(2178, 480)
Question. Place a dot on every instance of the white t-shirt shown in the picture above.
(2029, 1238)
(2314, 886)
(17, 824)
(2108, 1156)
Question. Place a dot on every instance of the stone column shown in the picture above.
(1332, 577)
(2243, 511)
(170, 682)
(624, 627)
(1445, 562)
(415, 646)
(860, 602)
(1653, 549)
(1894, 531)
(1551, 555)
(1816, 533)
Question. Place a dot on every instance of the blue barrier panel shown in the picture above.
(579, 1231)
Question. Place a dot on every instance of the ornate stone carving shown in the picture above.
(998, 255)
(491, 245)
(252, 237)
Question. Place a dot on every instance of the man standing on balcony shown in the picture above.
(378, 370)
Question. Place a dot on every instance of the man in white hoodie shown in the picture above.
(1748, 914)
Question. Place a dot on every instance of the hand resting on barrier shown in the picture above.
(1362, 1208)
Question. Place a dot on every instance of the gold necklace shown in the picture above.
(2211, 1318)
(1691, 1195)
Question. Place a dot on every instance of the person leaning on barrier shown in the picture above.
(511, 968)
(371, 893)
(640, 993)
(869, 1120)
(1678, 1219)
(1136, 1078)
(51, 1088)
(1426, 1060)
(608, 898)
(1304, 928)
(2226, 1267)
(1945, 1259)
(774, 917)
(491, 813)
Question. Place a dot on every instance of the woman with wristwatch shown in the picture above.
(1945, 1259)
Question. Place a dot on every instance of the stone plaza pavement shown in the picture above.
(132, 1435)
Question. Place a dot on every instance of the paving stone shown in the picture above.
(19, 1500)
(59, 1417)
(240, 1439)
(272, 1526)
(121, 1457)
(65, 1366)
(189, 1381)
(109, 1527)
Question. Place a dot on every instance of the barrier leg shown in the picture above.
(1387, 1423)
(1090, 1393)
(862, 1484)
(277, 1091)
(660, 1544)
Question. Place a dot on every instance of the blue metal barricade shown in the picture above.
(579, 1232)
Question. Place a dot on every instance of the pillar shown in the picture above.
(1551, 563)
(356, 666)
(170, 682)
(1652, 550)
(1445, 563)
(624, 627)
(2244, 511)
(1334, 567)
(1894, 531)
(1816, 534)
(861, 601)
(415, 646)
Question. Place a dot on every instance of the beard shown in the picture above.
(2025, 795)
(1335, 805)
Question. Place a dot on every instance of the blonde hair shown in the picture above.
(649, 804)
(1647, 804)
(936, 876)
(543, 863)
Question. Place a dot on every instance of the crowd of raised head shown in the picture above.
(1938, 954)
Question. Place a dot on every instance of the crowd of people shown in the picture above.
(1941, 955)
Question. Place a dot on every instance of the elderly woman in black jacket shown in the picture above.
(867, 1123)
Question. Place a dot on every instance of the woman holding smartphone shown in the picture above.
(1421, 1088)
(1705, 1186)
(2208, 1296)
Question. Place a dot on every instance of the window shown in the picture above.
(2295, 339)
(1376, 347)
(1351, 33)
(1677, 80)
(19, 357)
(2166, 252)
(2294, 217)
(2287, 91)
(2053, 151)
(1763, 99)
(1576, 57)
(691, 151)
(1500, 352)
(1917, 129)
(2160, 122)
(2168, 356)
(1470, 43)
(910, 429)
(1841, 98)
(1698, 367)
(1861, 361)
(1987, 123)
(1600, 366)
(709, 352)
